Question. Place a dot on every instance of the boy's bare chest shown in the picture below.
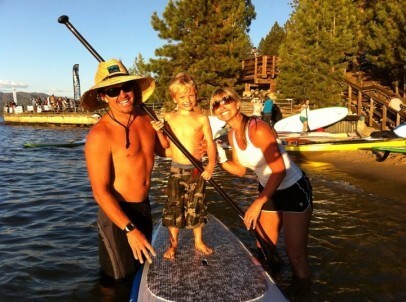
(185, 126)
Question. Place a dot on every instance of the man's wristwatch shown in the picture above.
(129, 227)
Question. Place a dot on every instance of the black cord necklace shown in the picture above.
(127, 128)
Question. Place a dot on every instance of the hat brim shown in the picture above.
(91, 101)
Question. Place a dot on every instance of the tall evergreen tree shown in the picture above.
(207, 38)
(270, 44)
(385, 40)
(319, 34)
(139, 67)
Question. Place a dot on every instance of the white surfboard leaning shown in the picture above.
(317, 118)
(217, 126)
(400, 130)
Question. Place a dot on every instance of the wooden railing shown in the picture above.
(372, 102)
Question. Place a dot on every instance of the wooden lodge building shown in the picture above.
(259, 72)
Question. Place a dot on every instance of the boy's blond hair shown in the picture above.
(181, 82)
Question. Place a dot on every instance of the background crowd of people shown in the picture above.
(49, 104)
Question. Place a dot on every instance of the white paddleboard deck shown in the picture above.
(231, 273)
(317, 118)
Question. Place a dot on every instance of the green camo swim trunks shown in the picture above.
(185, 206)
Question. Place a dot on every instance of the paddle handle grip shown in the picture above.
(65, 20)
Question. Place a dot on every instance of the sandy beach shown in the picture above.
(365, 163)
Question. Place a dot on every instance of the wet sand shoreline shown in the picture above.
(364, 163)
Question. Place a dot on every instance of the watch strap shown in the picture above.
(129, 227)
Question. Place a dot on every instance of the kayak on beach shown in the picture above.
(382, 153)
(231, 273)
(346, 145)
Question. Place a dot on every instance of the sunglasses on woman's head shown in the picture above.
(115, 91)
(224, 101)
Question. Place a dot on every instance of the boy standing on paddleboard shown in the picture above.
(186, 205)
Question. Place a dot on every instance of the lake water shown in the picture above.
(48, 235)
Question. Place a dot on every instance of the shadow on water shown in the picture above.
(48, 247)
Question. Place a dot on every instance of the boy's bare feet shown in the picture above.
(201, 247)
(170, 253)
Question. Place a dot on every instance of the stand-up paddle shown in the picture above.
(267, 246)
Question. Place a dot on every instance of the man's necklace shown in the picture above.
(127, 128)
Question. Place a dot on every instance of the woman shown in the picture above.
(285, 193)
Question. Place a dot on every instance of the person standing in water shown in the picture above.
(285, 193)
(119, 154)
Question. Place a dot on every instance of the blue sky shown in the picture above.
(37, 53)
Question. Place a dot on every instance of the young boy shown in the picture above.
(186, 206)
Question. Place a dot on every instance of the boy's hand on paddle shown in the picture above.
(157, 125)
(140, 246)
(207, 173)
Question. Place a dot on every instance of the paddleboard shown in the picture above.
(70, 144)
(217, 126)
(317, 118)
(294, 138)
(231, 273)
(382, 153)
(400, 130)
(346, 145)
(390, 149)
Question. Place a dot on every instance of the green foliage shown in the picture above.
(385, 42)
(270, 45)
(140, 68)
(207, 39)
(319, 34)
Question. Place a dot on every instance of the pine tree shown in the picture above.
(319, 34)
(385, 42)
(206, 38)
(270, 44)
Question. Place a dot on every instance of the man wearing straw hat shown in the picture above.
(119, 155)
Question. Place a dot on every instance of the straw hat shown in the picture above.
(111, 73)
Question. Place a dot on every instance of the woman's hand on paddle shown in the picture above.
(251, 215)
(140, 246)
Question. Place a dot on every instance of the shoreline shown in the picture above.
(364, 163)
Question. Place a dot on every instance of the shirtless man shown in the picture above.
(119, 155)
(186, 206)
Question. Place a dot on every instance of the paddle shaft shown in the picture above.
(265, 247)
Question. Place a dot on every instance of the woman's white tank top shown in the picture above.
(253, 159)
